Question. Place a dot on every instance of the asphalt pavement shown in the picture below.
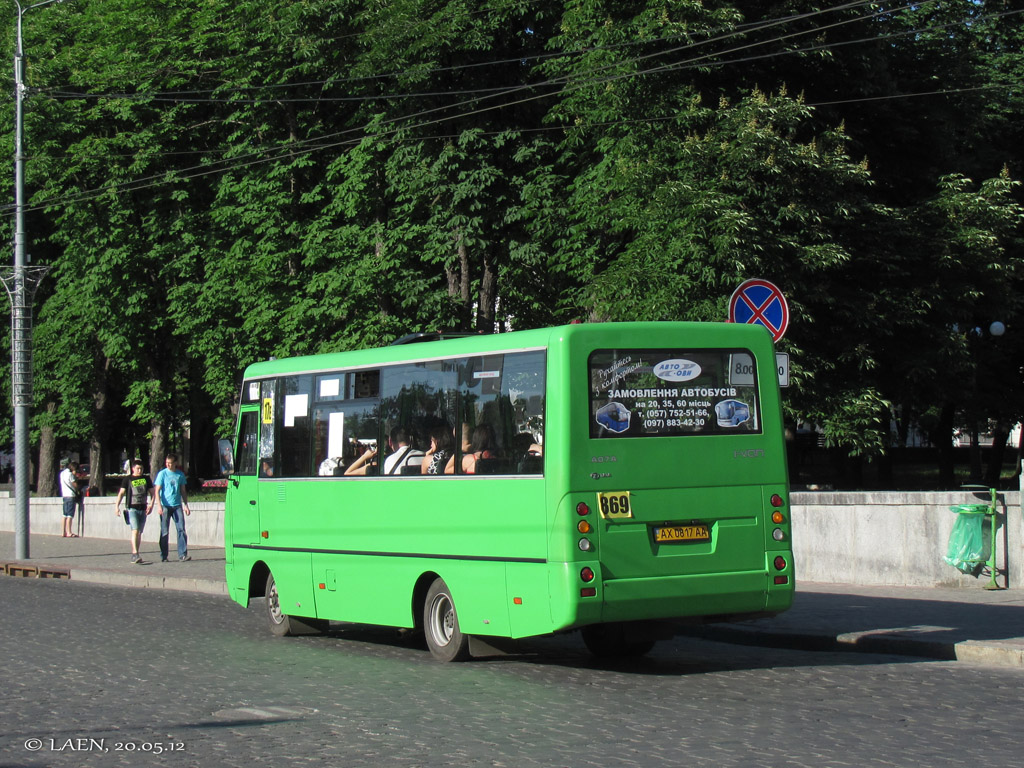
(972, 625)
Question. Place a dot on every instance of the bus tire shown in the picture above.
(281, 624)
(611, 641)
(441, 625)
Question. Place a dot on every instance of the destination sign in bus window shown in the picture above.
(669, 392)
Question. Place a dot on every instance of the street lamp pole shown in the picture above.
(21, 284)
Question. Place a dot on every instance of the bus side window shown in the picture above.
(294, 429)
(523, 386)
(329, 440)
(502, 424)
(245, 461)
(417, 399)
(268, 405)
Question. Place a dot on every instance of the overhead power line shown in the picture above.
(193, 95)
(355, 135)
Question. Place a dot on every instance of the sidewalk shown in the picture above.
(966, 624)
(108, 561)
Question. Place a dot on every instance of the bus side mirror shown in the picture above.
(227, 457)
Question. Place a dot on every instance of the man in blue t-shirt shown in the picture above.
(171, 501)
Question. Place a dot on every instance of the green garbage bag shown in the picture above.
(966, 551)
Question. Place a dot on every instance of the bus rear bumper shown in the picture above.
(669, 597)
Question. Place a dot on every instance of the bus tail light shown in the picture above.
(778, 535)
(588, 591)
(776, 500)
(582, 509)
(587, 574)
(780, 563)
(585, 545)
(584, 527)
(782, 579)
(778, 517)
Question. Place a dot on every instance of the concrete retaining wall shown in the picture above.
(204, 527)
(844, 538)
(893, 538)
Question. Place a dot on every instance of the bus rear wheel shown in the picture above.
(611, 641)
(441, 625)
(281, 624)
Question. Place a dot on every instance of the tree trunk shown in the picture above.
(46, 482)
(96, 473)
(1020, 452)
(488, 300)
(458, 281)
(101, 427)
(157, 447)
(998, 451)
(944, 439)
(903, 426)
(203, 460)
(384, 300)
(975, 454)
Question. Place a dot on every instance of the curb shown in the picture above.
(21, 569)
(992, 653)
(144, 581)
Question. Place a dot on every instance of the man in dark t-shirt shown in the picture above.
(137, 491)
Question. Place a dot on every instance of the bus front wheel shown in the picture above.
(441, 625)
(608, 641)
(281, 624)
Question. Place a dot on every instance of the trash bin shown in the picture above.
(968, 549)
(972, 542)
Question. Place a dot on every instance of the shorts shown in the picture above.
(136, 518)
(70, 502)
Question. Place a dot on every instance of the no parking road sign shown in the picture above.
(761, 303)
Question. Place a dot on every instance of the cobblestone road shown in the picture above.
(107, 676)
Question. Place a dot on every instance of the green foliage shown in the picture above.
(216, 183)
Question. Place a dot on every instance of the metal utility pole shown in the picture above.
(21, 284)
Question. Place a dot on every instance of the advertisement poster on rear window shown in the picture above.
(672, 392)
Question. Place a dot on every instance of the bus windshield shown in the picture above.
(670, 392)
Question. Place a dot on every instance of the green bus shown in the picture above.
(615, 478)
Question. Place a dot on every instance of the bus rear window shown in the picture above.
(671, 392)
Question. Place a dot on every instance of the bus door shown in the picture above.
(244, 511)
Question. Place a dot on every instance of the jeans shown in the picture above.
(179, 523)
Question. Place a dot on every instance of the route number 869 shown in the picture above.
(614, 504)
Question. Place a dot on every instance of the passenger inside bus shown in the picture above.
(366, 464)
(524, 445)
(441, 455)
(330, 466)
(482, 446)
(527, 455)
(467, 448)
(403, 454)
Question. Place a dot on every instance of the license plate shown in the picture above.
(667, 534)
